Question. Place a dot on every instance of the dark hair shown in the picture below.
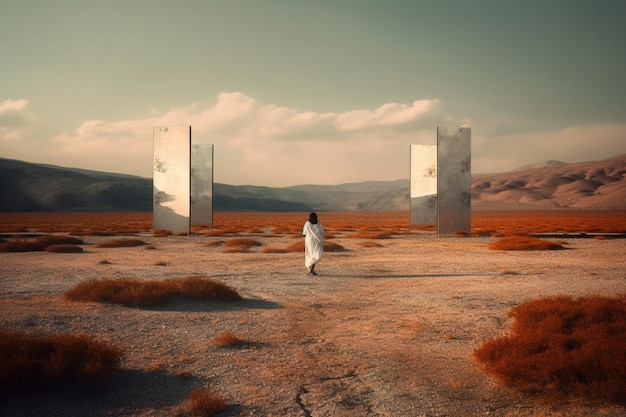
(313, 218)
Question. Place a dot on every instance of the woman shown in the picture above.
(313, 243)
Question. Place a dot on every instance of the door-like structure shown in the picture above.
(454, 180)
(171, 181)
(441, 182)
(201, 185)
(423, 184)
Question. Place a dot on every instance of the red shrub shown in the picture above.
(136, 293)
(365, 234)
(126, 292)
(22, 246)
(523, 243)
(203, 289)
(64, 249)
(296, 247)
(333, 247)
(226, 339)
(203, 403)
(35, 363)
(242, 242)
(560, 347)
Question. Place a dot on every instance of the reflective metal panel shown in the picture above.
(423, 184)
(201, 184)
(171, 180)
(454, 180)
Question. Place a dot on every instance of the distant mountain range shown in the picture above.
(599, 185)
(28, 187)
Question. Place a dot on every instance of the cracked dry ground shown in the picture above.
(385, 330)
(362, 350)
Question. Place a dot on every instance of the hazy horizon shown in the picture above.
(293, 93)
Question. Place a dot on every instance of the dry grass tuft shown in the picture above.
(562, 347)
(333, 247)
(201, 229)
(161, 233)
(328, 247)
(120, 243)
(240, 245)
(203, 289)
(43, 243)
(213, 243)
(64, 249)
(242, 242)
(524, 243)
(39, 363)
(135, 293)
(22, 246)
(508, 272)
(183, 374)
(295, 247)
(369, 244)
(364, 234)
(204, 403)
(226, 339)
(410, 324)
(224, 231)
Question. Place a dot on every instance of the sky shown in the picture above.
(296, 92)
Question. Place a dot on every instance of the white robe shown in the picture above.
(313, 243)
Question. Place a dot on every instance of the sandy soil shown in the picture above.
(382, 331)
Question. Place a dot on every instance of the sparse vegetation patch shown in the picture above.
(227, 338)
(42, 243)
(295, 247)
(333, 247)
(563, 347)
(134, 293)
(22, 246)
(64, 249)
(204, 403)
(161, 233)
(524, 243)
(370, 244)
(33, 364)
(365, 234)
(242, 242)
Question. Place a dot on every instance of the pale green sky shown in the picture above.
(325, 91)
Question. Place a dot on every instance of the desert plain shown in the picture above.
(387, 328)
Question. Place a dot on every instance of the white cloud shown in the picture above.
(388, 114)
(15, 119)
(266, 144)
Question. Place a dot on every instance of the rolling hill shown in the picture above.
(29, 187)
(598, 185)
